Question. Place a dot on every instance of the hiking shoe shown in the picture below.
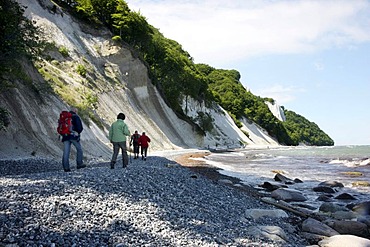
(67, 170)
(145, 158)
(80, 167)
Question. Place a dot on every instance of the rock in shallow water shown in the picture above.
(288, 195)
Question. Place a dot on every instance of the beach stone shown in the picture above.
(349, 227)
(330, 207)
(362, 208)
(271, 186)
(288, 195)
(312, 238)
(331, 184)
(365, 220)
(344, 241)
(281, 178)
(270, 232)
(324, 198)
(345, 196)
(225, 181)
(316, 227)
(258, 213)
(344, 215)
(324, 189)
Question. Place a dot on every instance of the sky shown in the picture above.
(311, 56)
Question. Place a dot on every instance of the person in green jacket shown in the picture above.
(117, 136)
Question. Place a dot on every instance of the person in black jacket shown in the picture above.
(73, 138)
(135, 141)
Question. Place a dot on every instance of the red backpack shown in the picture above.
(65, 123)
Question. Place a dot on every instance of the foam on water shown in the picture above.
(309, 164)
(352, 163)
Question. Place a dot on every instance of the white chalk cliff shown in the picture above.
(276, 110)
(33, 120)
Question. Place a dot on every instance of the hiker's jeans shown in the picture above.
(144, 151)
(116, 147)
(136, 149)
(67, 150)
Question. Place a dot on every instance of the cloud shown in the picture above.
(281, 94)
(222, 31)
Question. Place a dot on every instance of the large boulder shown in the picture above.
(316, 227)
(281, 178)
(345, 241)
(271, 186)
(324, 189)
(274, 233)
(288, 195)
(258, 213)
(344, 215)
(324, 198)
(330, 207)
(362, 208)
(349, 227)
(364, 219)
(345, 196)
(331, 184)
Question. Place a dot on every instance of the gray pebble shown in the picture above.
(150, 203)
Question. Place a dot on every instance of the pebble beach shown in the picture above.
(156, 202)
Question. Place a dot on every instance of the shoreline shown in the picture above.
(189, 160)
(304, 212)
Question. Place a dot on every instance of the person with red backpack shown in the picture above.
(144, 143)
(135, 141)
(70, 128)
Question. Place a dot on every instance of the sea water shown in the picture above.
(312, 165)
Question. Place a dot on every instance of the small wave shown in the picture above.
(221, 165)
(262, 155)
(268, 158)
(351, 162)
(281, 157)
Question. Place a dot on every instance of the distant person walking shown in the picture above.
(117, 136)
(135, 142)
(144, 143)
(73, 138)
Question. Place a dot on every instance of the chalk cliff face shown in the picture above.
(120, 83)
(276, 110)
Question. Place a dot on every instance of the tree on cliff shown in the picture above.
(18, 39)
(18, 36)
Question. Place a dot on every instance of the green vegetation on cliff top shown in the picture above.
(174, 73)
